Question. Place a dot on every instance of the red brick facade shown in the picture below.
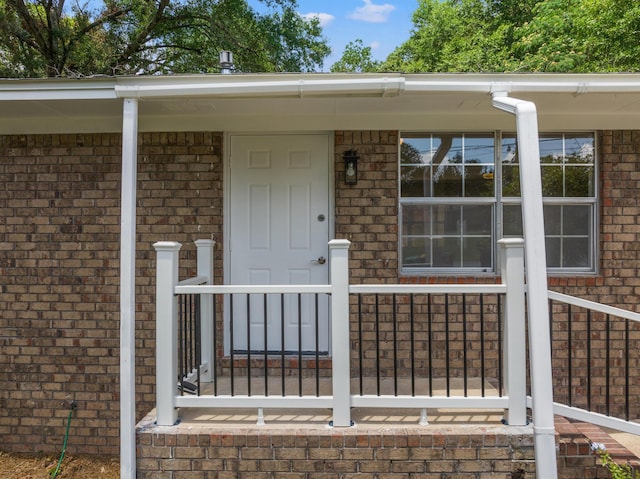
(59, 261)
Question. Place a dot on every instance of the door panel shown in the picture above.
(279, 199)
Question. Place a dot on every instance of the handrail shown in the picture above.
(427, 288)
(248, 289)
(601, 308)
(193, 287)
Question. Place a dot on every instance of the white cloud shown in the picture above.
(372, 13)
(324, 18)
(374, 45)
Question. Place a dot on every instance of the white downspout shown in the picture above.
(128, 289)
(536, 266)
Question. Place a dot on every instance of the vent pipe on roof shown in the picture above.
(226, 62)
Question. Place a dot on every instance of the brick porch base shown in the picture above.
(460, 445)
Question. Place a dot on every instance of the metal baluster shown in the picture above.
(446, 336)
(282, 343)
(360, 348)
(317, 332)
(395, 346)
(299, 345)
(413, 345)
(588, 359)
(464, 343)
(198, 343)
(608, 368)
(430, 355)
(500, 344)
(248, 301)
(377, 316)
(482, 346)
(214, 367)
(233, 346)
(266, 349)
(569, 354)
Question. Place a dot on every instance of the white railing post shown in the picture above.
(166, 332)
(340, 349)
(204, 248)
(514, 346)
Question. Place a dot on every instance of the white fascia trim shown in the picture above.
(573, 85)
(53, 90)
(299, 85)
(384, 86)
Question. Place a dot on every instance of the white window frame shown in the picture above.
(498, 202)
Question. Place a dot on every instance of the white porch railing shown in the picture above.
(511, 397)
(600, 375)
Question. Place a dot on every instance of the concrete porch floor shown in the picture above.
(365, 419)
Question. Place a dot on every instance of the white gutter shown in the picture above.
(383, 85)
(537, 296)
(128, 290)
(510, 85)
(302, 87)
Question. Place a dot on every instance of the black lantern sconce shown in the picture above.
(350, 158)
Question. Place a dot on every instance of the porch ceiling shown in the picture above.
(317, 102)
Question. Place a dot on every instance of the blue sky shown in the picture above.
(380, 24)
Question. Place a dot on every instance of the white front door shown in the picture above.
(279, 230)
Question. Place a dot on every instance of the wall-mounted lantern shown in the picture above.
(350, 158)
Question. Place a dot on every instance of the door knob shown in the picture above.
(320, 260)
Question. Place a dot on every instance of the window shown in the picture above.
(460, 192)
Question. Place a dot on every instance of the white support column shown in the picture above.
(515, 347)
(537, 296)
(166, 332)
(128, 289)
(204, 248)
(340, 348)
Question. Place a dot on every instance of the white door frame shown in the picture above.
(226, 178)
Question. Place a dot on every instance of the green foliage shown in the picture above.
(451, 36)
(528, 35)
(356, 58)
(49, 38)
(618, 471)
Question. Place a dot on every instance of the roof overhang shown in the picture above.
(310, 102)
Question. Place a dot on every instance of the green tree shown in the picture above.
(581, 36)
(51, 38)
(356, 58)
(527, 35)
(451, 36)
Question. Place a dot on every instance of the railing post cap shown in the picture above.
(511, 242)
(204, 242)
(167, 246)
(339, 244)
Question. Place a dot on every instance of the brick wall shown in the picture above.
(59, 296)
(320, 453)
(438, 451)
(59, 261)
(367, 212)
